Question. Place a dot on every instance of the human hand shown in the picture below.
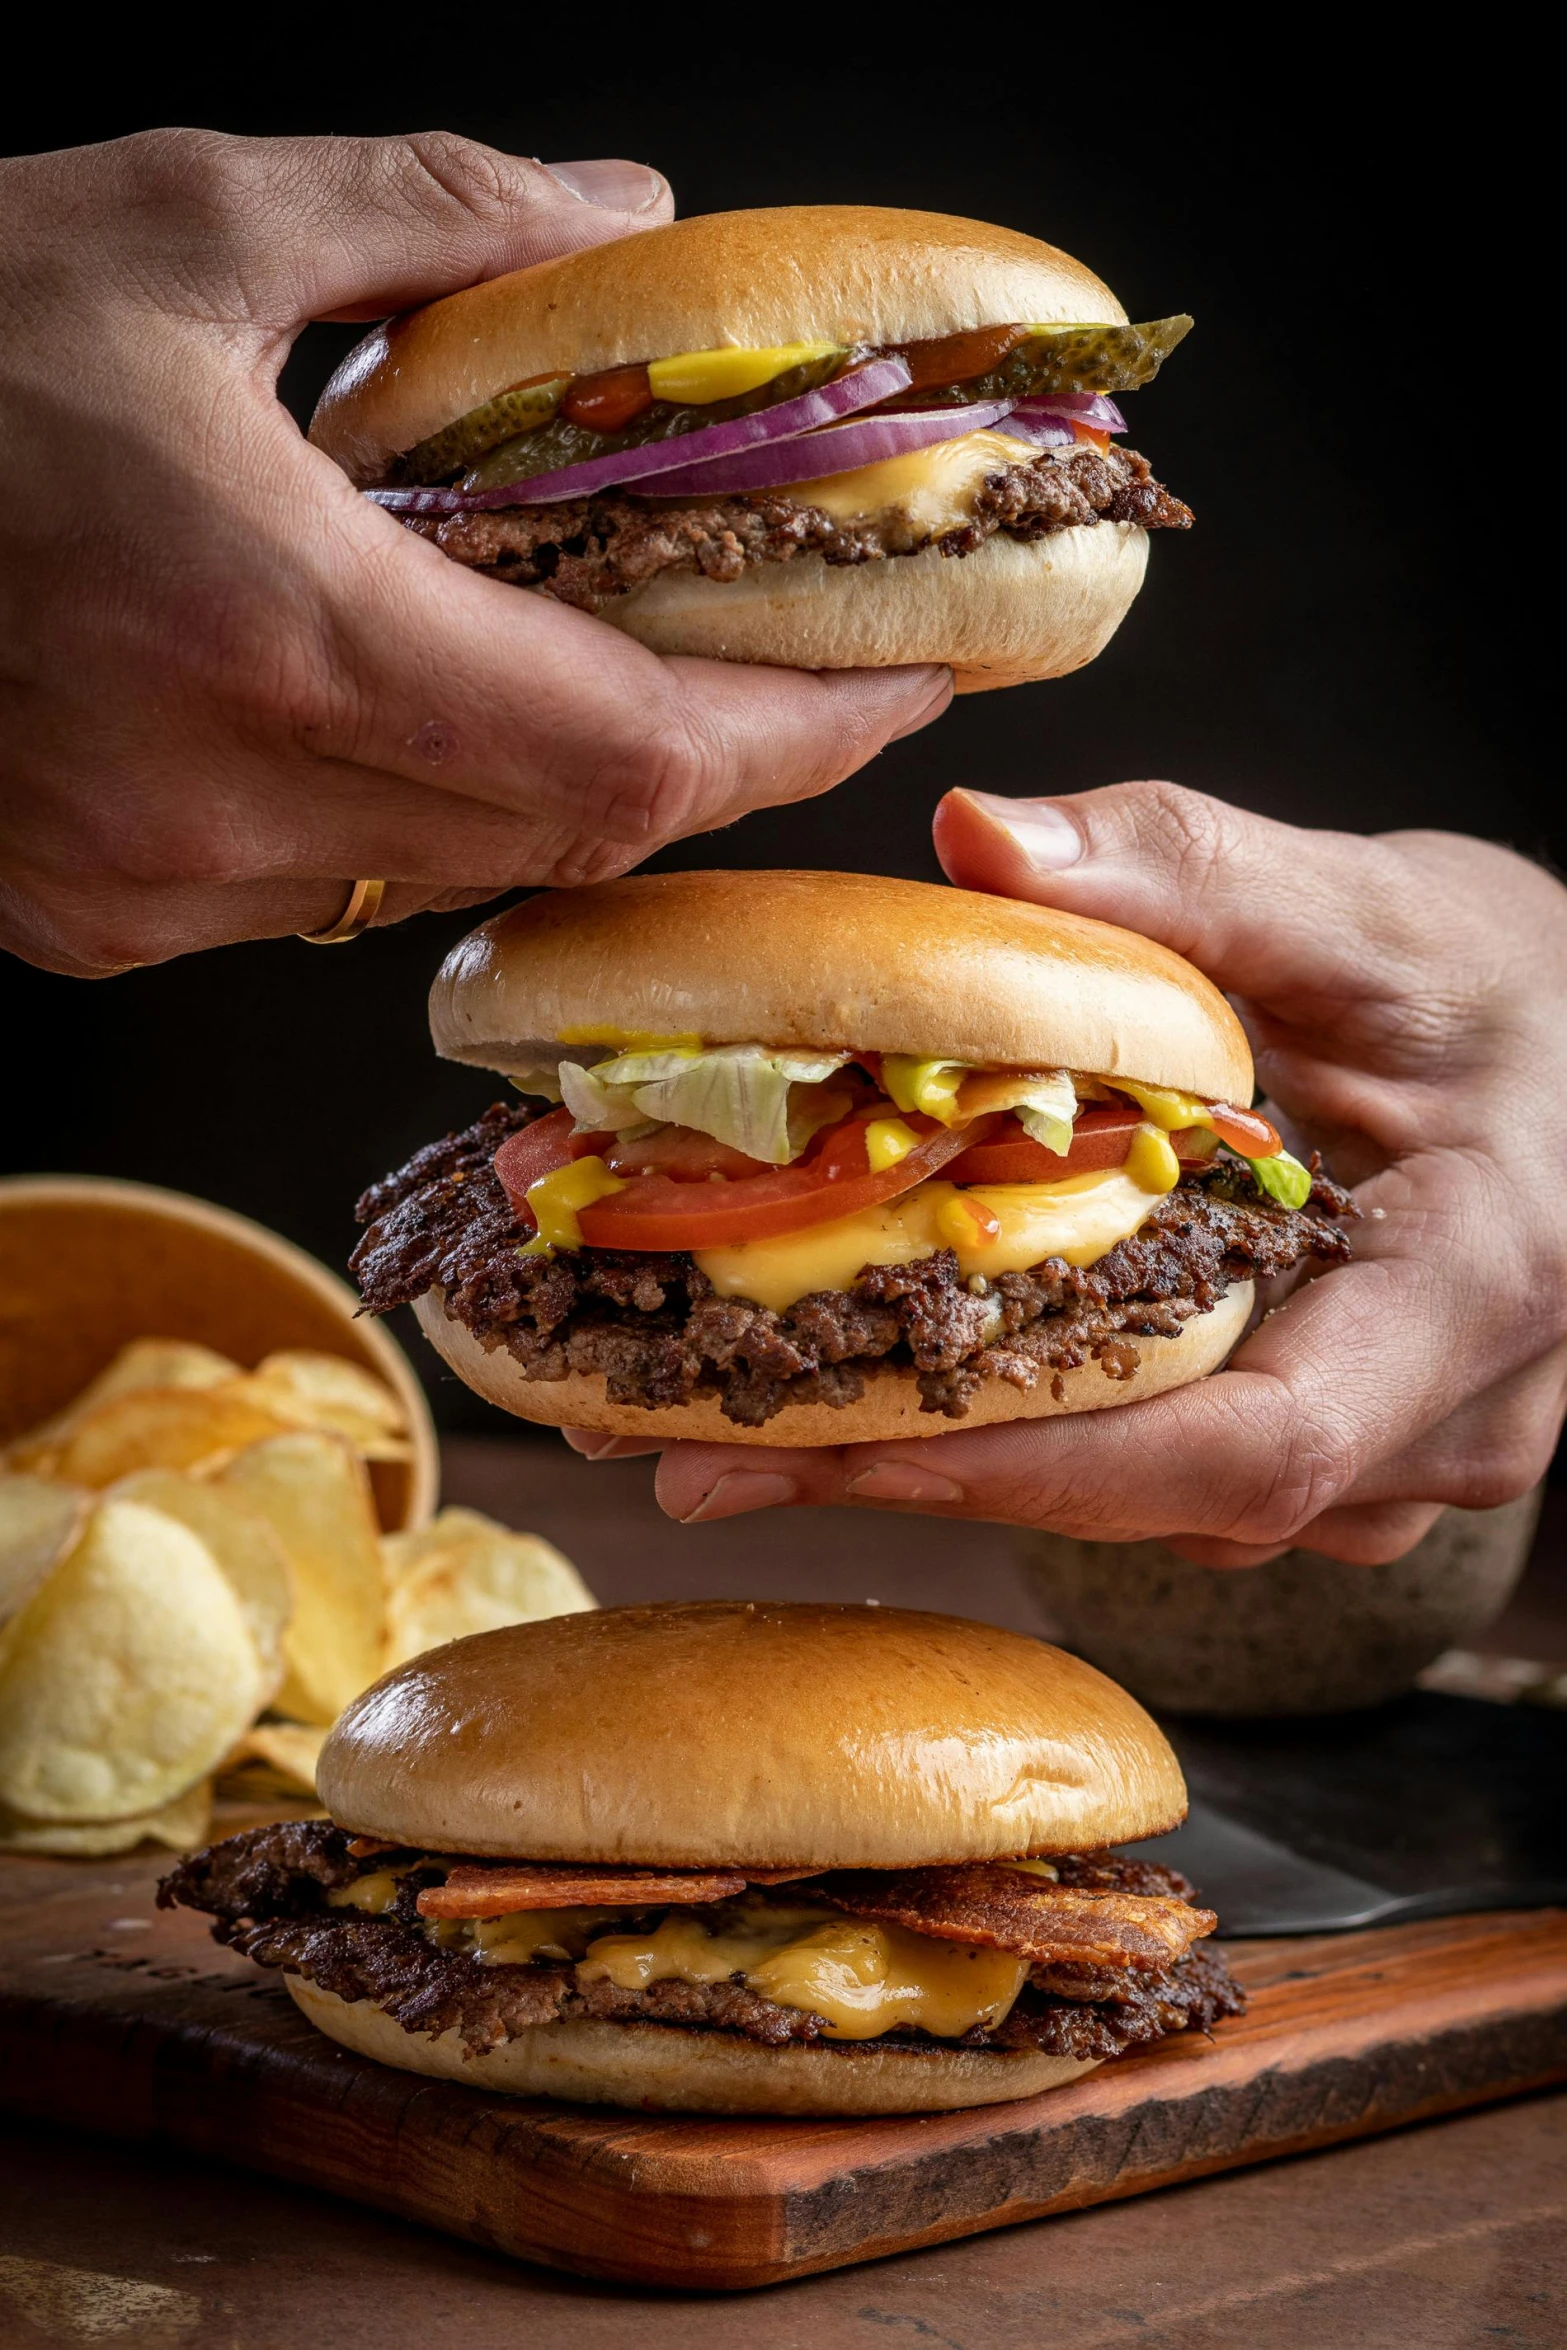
(229, 686)
(1403, 996)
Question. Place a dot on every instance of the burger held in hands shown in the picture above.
(836, 1158)
(733, 1858)
(822, 436)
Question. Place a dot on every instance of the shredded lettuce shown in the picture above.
(1047, 1110)
(1283, 1178)
(738, 1093)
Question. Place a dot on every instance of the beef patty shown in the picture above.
(652, 1326)
(590, 550)
(267, 1893)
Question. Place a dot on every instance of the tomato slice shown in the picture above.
(681, 1152)
(527, 1157)
(657, 1212)
(1100, 1138)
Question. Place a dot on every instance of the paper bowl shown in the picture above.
(87, 1263)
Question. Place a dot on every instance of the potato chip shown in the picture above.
(315, 1496)
(145, 1362)
(328, 1392)
(243, 1545)
(182, 1825)
(128, 1677)
(161, 1428)
(399, 1552)
(481, 1578)
(287, 1753)
(39, 1524)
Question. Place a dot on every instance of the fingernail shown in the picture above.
(901, 1481)
(931, 708)
(610, 182)
(739, 1490)
(1048, 838)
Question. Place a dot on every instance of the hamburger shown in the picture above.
(835, 1158)
(769, 1859)
(824, 436)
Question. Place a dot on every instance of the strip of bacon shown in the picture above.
(366, 1847)
(472, 1892)
(1010, 1909)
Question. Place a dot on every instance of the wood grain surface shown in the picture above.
(120, 2018)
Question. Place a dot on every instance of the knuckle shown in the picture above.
(195, 171)
(1313, 1467)
(643, 794)
(1196, 833)
(451, 169)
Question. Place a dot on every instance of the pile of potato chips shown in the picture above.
(193, 1581)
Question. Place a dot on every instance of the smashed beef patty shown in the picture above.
(266, 1890)
(652, 1327)
(588, 551)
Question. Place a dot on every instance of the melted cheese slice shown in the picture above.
(1079, 1220)
(861, 1979)
(934, 487)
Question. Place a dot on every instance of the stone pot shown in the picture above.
(1303, 1635)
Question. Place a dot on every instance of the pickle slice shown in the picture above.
(523, 409)
(1053, 359)
(1096, 358)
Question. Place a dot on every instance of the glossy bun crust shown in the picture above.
(837, 273)
(761, 1736)
(889, 1409)
(662, 2067)
(831, 962)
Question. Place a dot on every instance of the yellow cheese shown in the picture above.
(861, 1979)
(934, 487)
(1078, 1219)
(825, 1256)
(536, 1933)
(374, 1894)
(697, 378)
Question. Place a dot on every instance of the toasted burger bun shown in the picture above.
(1011, 612)
(831, 962)
(832, 273)
(890, 1406)
(663, 2066)
(759, 1736)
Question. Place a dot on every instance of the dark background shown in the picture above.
(1350, 637)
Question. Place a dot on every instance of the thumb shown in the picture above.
(317, 228)
(1267, 910)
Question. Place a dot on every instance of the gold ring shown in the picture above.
(364, 903)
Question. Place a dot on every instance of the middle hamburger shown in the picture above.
(836, 1158)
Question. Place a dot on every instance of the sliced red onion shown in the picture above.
(1091, 408)
(862, 387)
(844, 448)
(1040, 432)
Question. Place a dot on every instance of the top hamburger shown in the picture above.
(761, 435)
(837, 1158)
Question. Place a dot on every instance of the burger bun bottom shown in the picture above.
(889, 1409)
(1012, 611)
(662, 2067)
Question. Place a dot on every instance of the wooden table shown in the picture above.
(1448, 2235)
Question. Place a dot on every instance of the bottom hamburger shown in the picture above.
(733, 1858)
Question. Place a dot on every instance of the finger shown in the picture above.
(1361, 1534)
(1263, 908)
(594, 1445)
(288, 229)
(603, 750)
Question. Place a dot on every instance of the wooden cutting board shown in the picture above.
(120, 2018)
